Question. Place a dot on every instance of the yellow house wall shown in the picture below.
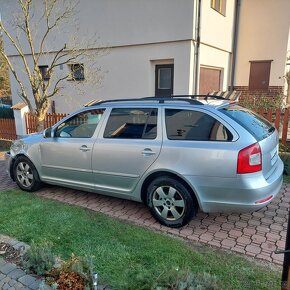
(263, 35)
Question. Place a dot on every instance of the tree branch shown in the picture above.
(50, 16)
(56, 88)
(23, 91)
(26, 12)
(50, 26)
(17, 47)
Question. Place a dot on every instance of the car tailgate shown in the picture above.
(270, 149)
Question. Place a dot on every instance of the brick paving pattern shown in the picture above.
(256, 234)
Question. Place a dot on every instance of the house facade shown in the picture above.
(263, 41)
(165, 47)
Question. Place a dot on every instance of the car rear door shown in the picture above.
(199, 143)
(128, 144)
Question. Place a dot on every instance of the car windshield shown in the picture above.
(259, 127)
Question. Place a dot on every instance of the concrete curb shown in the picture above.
(11, 276)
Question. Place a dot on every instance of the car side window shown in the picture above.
(82, 125)
(132, 123)
(194, 125)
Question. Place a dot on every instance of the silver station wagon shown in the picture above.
(173, 154)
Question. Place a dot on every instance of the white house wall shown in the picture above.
(216, 39)
(139, 34)
(117, 23)
(129, 22)
(126, 72)
(129, 72)
(219, 59)
(217, 29)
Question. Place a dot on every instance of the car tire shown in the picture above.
(26, 175)
(170, 202)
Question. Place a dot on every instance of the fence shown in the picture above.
(50, 120)
(281, 120)
(7, 129)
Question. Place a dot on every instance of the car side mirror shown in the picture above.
(47, 133)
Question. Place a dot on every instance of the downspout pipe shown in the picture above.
(197, 47)
(235, 42)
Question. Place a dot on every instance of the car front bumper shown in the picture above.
(8, 164)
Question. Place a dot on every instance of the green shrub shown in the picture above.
(256, 102)
(171, 280)
(139, 279)
(39, 258)
(6, 113)
(4, 145)
(285, 156)
(186, 280)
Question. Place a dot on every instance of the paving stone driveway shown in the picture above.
(256, 234)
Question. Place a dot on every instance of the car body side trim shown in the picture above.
(67, 168)
(116, 174)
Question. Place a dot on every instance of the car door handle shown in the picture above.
(84, 148)
(148, 152)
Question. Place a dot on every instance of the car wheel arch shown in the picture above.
(27, 177)
(157, 174)
(13, 162)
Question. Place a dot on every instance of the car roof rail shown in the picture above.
(191, 99)
(188, 97)
(182, 98)
(160, 100)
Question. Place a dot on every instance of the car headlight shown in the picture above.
(17, 146)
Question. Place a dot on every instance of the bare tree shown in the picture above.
(25, 34)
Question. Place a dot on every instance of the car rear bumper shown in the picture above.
(247, 192)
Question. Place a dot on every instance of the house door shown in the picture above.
(164, 80)
(259, 75)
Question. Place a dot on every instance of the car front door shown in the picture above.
(127, 146)
(66, 157)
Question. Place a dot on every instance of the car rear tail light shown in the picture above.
(250, 159)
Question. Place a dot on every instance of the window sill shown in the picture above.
(219, 12)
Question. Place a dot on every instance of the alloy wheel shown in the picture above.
(168, 203)
(24, 174)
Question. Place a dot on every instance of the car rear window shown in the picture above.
(258, 126)
(195, 126)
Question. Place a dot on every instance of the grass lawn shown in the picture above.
(120, 249)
